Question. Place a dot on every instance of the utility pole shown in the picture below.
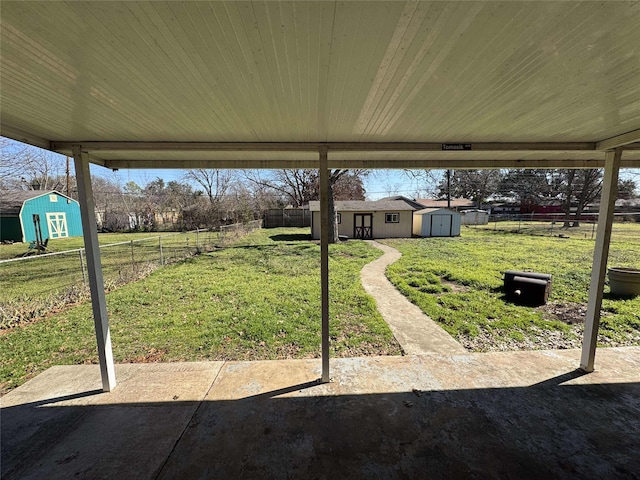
(448, 188)
(68, 180)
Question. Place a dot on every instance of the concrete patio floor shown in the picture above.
(493, 415)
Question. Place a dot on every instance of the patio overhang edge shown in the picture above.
(440, 163)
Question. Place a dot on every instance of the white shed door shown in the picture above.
(57, 225)
(440, 225)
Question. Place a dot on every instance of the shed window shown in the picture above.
(53, 198)
(392, 218)
(339, 217)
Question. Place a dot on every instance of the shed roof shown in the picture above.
(11, 200)
(381, 84)
(365, 206)
(412, 203)
(440, 203)
(426, 211)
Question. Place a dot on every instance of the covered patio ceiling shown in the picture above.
(383, 84)
(323, 84)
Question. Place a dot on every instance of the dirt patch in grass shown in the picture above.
(455, 287)
(536, 339)
(152, 356)
(567, 312)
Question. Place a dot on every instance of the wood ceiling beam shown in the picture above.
(619, 140)
(448, 147)
(24, 137)
(442, 163)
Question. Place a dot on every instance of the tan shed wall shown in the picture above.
(381, 229)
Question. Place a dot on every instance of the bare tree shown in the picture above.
(303, 185)
(23, 167)
(627, 188)
(476, 185)
(428, 181)
(581, 187)
(12, 163)
(215, 182)
(294, 185)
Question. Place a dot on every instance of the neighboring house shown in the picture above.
(58, 215)
(368, 219)
(456, 203)
(412, 203)
(436, 222)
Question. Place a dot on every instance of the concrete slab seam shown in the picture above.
(189, 420)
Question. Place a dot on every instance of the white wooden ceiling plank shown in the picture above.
(218, 112)
(481, 57)
(355, 61)
(133, 71)
(323, 45)
(246, 32)
(229, 69)
(268, 41)
(416, 42)
(106, 68)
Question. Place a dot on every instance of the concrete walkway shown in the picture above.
(524, 415)
(416, 332)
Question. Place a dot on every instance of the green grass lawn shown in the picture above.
(36, 285)
(61, 244)
(259, 299)
(586, 231)
(458, 282)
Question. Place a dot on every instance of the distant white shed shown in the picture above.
(436, 222)
(475, 217)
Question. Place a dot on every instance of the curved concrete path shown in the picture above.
(416, 332)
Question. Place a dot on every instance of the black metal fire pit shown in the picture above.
(527, 288)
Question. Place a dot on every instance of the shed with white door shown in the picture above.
(367, 220)
(57, 215)
(436, 222)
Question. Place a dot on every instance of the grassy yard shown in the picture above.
(34, 286)
(586, 231)
(61, 244)
(458, 282)
(259, 299)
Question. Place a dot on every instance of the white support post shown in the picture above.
(324, 260)
(96, 282)
(600, 255)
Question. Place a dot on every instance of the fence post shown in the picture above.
(133, 260)
(197, 240)
(84, 274)
(161, 255)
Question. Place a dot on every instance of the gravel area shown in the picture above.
(572, 314)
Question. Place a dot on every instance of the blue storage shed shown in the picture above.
(59, 215)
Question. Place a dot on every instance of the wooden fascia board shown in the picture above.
(442, 163)
(24, 137)
(619, 140)
(316, 146)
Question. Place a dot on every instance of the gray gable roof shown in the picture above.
(425, 211)
(414, 204)
(11, 200)
(366, 206)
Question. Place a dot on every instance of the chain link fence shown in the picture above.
(35, 286)
(625, 226)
